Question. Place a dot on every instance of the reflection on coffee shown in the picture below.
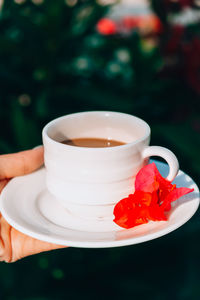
(92, 142)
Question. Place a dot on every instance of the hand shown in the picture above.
(14, 244)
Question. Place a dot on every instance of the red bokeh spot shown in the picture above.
(106, 27)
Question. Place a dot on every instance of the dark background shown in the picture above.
(55, 60)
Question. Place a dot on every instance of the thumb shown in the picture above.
(23, 245)
(21, 163)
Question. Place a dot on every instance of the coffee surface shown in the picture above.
(92, 142)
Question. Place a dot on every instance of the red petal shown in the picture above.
(152, 198)
(122, 207)
(168, 207)
(150, 180)
(130, 220)
(156, 213)
(128, 214)
(121, 212)
(146, 179)
(174, 195)
(141, 198)
(155, 198)
(163, 181)
(165, 186)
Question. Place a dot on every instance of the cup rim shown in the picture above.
(87, 149)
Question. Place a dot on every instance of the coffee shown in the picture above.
(92, 142)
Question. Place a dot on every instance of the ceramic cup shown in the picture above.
(90, 181)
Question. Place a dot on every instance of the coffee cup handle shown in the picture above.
(167, 155)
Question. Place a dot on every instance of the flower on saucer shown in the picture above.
(151, 200)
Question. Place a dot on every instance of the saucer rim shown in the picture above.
(101, 244)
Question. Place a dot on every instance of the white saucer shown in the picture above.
(29, 208)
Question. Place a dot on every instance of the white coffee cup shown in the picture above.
(90, 181)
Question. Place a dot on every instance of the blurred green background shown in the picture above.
(65, 56)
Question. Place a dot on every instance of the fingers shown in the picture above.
(21, 163)
(15, 245)
(5, 240)
(23, 245)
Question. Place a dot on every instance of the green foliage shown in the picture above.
(53, 62)
(42, 54)
(52, 54)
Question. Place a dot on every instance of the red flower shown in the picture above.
(150, 24)
(145, 24)
(130, 22)
(106, 26)
(151, 200)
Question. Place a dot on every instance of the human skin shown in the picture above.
(15, 245)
